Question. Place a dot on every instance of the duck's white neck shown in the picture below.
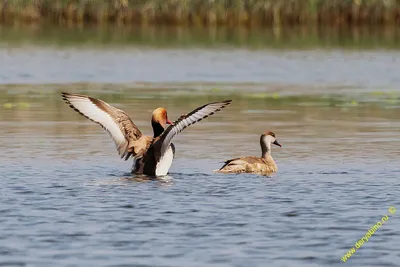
(265, 143)
(265, 150)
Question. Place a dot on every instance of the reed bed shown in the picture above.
(204, 12)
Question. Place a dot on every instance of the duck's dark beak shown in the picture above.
(277, 143)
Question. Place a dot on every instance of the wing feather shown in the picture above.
(184, 121)
(115, 121)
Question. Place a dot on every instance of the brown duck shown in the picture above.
(264, 165)
(153, 155)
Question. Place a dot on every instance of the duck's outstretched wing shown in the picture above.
(115, 121)
(185, 120)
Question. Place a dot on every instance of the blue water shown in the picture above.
(66, 199)
(113, 65)
(94, 214)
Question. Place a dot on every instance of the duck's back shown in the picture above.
(249, 165)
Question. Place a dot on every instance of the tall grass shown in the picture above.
(204, 12)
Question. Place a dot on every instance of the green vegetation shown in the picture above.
(14, 96)
(23, 104)
(128, 36)
(204, 12)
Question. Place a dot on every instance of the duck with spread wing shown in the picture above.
(153, 155)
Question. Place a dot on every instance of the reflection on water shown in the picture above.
(40, 55)
(162, 37)
(325, 120)
(68, 198)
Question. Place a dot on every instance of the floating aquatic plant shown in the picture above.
(8, 105)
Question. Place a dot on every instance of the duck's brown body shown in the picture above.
(153, 155)
(264, 165)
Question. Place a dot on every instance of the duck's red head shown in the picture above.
(159, 121)
(160, 116)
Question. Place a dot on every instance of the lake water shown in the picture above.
(68, 200)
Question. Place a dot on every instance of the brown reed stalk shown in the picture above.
(204, 12)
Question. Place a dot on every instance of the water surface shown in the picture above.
(66, 198)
